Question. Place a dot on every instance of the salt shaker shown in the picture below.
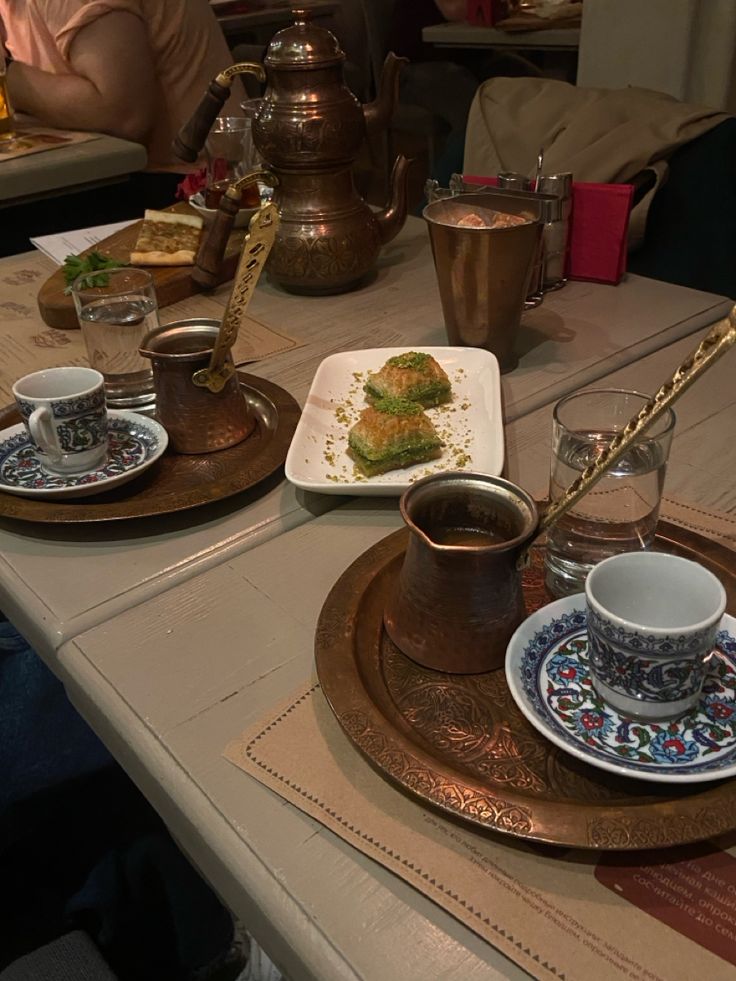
(557, 233)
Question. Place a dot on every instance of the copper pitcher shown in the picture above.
(459, 597)
(196, 419)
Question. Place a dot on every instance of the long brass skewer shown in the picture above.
(714, 345)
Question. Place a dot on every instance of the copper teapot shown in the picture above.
(309, 130)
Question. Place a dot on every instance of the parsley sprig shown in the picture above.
(94, 263)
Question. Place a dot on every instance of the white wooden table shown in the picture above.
(69, 168)
(169, 683)
(56, 582)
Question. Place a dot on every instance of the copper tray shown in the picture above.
(459, 743)
(177, 481)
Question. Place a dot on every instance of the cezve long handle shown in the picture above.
(257, 245)
(714, 345)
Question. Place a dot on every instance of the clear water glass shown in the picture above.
(116, 309)
(620, 513)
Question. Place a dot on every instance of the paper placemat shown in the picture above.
(36, 139)
(711, 524)
(558, 914)
(27, 344)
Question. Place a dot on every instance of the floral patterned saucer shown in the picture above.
(547, 673)
(136, 442)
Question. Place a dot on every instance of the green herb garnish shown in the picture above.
(92, 263)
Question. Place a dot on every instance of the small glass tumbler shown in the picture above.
(620, 512)
(116, 309)
(230, 155)
(7, 121)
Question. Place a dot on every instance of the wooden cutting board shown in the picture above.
(173, 283)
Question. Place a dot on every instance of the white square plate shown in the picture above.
(470, 425)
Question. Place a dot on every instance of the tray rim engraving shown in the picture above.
(348, 665)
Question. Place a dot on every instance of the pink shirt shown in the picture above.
(187, 44)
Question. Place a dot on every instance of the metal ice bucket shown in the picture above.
(484, 274)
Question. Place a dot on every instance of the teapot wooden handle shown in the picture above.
(212, 247)
(191, 137)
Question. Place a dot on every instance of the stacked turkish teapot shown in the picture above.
(308, 130)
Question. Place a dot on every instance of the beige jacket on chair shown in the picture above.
(600, 135)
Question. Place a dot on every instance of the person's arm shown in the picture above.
(452, 9)
(113, 88)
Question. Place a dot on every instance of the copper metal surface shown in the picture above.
(177, 482)
(719, 339)
(484, 275)
(196, 419)
(458, 743)
(456, 606)
(310, 128)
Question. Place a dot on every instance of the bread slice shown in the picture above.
(167, 238)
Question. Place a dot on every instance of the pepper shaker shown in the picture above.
(557, 233)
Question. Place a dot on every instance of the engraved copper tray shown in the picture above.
(459, 743)
(178, 481)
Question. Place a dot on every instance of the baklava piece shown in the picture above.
(391, 434)
(414, 376)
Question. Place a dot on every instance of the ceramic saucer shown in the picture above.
(547, 673)
(136, 442)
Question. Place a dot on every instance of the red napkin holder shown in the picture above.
(600, 225)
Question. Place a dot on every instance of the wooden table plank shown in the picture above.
(579, 334)
(255, 834)
(222, 649)
(69, 168)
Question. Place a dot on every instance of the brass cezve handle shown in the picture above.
(256, 247)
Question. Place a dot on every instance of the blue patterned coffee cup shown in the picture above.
(65, 414)
(652, 624)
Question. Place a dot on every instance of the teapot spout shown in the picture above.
(391, 219)
(378, 113)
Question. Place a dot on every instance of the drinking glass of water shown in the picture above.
(619, 513)
(116, 309)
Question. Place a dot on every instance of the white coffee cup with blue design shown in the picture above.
(652, 624)
(65, 414)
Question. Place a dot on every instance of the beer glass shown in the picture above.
(7, 124)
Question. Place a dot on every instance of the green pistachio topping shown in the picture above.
(397, 407)
(412, 359)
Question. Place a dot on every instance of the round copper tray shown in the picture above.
(177, 481)
(460, 744)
